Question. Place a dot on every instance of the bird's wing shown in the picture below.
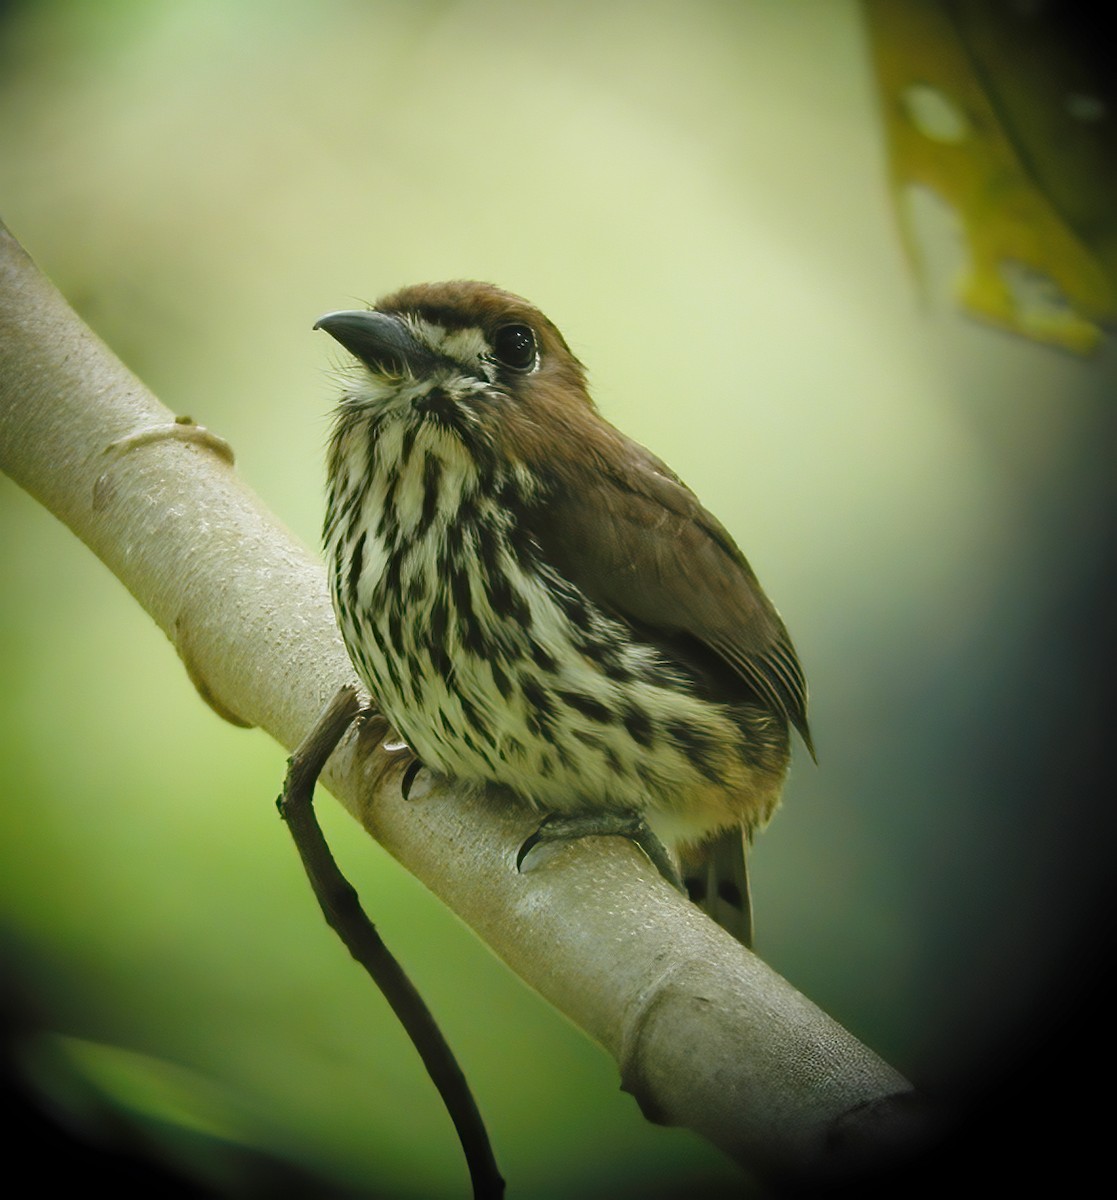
(638, 543)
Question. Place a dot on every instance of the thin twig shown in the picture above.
(345, 916)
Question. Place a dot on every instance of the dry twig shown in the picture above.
(344, 914)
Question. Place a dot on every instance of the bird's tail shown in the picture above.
(716, 876)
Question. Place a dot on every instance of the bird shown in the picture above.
(538, 604)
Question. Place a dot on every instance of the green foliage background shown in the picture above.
(695, 192)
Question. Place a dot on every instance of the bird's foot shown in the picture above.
(558, 828)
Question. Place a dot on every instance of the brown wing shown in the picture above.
(637, 542)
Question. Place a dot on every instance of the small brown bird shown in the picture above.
(537, 602)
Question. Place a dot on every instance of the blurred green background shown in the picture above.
(696, 193)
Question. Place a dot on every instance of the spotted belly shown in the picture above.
(499, 673)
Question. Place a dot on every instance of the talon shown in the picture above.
(530, 842)
(408, 781)
(630, 825)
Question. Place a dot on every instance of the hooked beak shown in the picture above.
(382, 342)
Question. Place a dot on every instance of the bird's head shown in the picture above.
(461, 354)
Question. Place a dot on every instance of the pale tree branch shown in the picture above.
(704, 1033)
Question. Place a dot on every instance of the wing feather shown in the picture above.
(638, 542)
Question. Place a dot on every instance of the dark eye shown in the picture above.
(514, 346)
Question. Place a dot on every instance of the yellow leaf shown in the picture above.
(996, 109)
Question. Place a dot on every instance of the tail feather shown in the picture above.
(716, 876)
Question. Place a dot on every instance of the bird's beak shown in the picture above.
(382, 342)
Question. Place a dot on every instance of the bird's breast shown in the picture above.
(495, 668)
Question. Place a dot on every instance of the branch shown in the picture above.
(705, 1034)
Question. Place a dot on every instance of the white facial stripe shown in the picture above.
(466, 345)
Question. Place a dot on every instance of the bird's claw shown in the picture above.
(631, 825)
(408, 778)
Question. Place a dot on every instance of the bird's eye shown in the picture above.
(514, 346)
